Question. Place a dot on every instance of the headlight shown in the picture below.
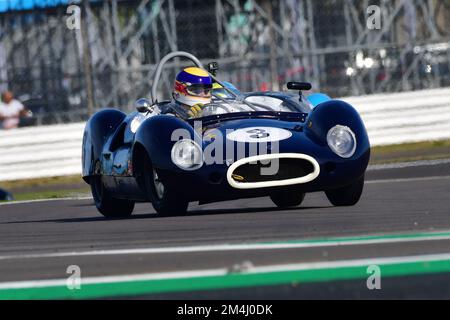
(187, 155)
(342, 141)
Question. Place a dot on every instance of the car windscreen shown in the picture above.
(255, 103)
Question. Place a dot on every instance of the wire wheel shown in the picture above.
(165, 200)
(159, 186)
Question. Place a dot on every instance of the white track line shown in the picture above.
(225, 271)
(44, 200)
(233, 247)
(112, 279)
(407, 180)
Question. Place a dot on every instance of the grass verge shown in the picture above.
(430, 150)
(56, 194)
(47, 188)
(43, 182)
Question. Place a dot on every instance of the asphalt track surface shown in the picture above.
(403, 218)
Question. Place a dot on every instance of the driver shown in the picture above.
(192, 91)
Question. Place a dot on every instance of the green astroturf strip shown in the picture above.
(134, 288)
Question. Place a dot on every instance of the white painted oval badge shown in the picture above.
(259, 134)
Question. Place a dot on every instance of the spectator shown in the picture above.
(10, 111)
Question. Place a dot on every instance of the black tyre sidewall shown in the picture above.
(287, 198)
(107, 205)
(348, 195)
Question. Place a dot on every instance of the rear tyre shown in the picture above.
(287, 199)
(106, 204)
(164, 199)
(348, 195)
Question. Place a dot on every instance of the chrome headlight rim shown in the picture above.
(348, 153)
(178, 163)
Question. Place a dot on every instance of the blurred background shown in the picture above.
(63, 75)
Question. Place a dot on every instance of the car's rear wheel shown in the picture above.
(287, 198)
(106, 204)
(164, 199)
(348, 195)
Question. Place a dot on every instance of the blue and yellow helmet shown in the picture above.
(193, 86)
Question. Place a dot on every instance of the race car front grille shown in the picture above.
(272, 170)
(261, 171)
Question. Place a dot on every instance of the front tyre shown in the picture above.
(287, 199)
(164, 199)
(107, 205)
(348, 195)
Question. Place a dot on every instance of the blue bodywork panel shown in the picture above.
(318, 98)
(5, 195)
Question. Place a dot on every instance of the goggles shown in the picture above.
(199, 90)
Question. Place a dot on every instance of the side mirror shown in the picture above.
(300, 86)
(143, 105)
(213, 67)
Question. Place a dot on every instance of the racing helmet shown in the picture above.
(193, 86)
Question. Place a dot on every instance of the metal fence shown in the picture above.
(65, 74)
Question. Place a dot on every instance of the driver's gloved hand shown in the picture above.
(195, 111)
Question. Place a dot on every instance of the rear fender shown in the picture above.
(99, 127)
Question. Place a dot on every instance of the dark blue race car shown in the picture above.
(5, 195)
(276, 144)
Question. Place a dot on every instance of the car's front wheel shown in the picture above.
(164, 199)
(348, 195)
(106, 204)
(287, 198)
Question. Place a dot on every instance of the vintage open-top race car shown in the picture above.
(5, 195)
(276, 144)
